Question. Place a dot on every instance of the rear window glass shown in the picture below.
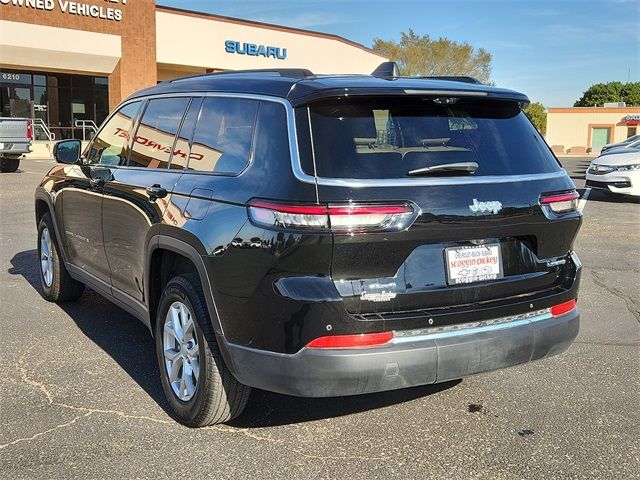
(388, 137)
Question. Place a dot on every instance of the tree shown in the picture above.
(600, 93)
(538, 116)
(631, 94)
(422, 56)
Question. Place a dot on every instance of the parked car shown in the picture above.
(317, 235)
(629, 147)
(623, 143)
(15, 141)
(616, 172)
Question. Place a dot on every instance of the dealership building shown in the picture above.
(586, 129)
(67, 64)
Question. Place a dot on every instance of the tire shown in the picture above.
(57, 284)
(9, 165)
(213, 395)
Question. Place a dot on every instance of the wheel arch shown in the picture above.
(43, 204)
(167, 255)
(157, 246)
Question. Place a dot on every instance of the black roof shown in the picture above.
(300, 86)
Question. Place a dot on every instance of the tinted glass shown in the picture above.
(155, 136)
(388, 137)
(223, 136)
(180, 156)
(272, 140)
(110, 146)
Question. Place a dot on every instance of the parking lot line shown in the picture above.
(583, 201)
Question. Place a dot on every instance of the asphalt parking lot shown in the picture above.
(80, 395)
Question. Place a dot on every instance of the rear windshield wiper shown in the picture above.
(460, 167)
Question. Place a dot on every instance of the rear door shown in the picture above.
(137, 195)
(478, 238)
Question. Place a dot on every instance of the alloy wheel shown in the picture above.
(46, 259)
(181, 351)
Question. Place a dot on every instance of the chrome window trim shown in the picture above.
(293, 145)
(401, 182)
(424, 182)
(301, 176)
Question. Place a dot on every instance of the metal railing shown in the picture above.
(38, 124)
(89, 125)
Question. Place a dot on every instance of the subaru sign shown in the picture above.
(231, 46)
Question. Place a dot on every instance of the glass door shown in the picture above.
(16, 101)
(599, 136)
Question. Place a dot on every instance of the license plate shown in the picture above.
(471, 264)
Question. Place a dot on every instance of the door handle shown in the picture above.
(97, 182)
(156, 191)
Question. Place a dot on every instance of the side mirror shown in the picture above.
(67, 151)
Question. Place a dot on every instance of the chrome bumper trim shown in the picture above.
(404, 336)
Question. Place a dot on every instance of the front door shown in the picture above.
(82, 194)
(600, 136)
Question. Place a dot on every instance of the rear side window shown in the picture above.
(153, 143)
(377, 138)
(110, 145)
(223, 137)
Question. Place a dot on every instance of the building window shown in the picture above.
(55, 98)
(631, 131)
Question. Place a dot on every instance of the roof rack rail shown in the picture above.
(454, 78)
(283, 72)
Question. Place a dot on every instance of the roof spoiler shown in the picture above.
(386, 70)
(391, 70)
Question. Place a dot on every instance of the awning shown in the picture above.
(43, 47)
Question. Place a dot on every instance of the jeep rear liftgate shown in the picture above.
(492, 216)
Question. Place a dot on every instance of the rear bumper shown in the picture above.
(14, 149)
(415, 358)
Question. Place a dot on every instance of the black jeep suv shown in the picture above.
(317, 235)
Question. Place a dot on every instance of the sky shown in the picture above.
(550, 50)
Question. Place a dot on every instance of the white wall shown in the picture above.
(184, 40)
(570, 126)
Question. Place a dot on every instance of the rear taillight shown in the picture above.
(362, 340)
(562, 308)
(561, 202)
(337, 218)
(29, 130)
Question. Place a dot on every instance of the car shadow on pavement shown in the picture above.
(112, 329)
(267, 409)
(131, 346)
(598, 195)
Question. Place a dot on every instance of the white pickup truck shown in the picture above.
(15, 141)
